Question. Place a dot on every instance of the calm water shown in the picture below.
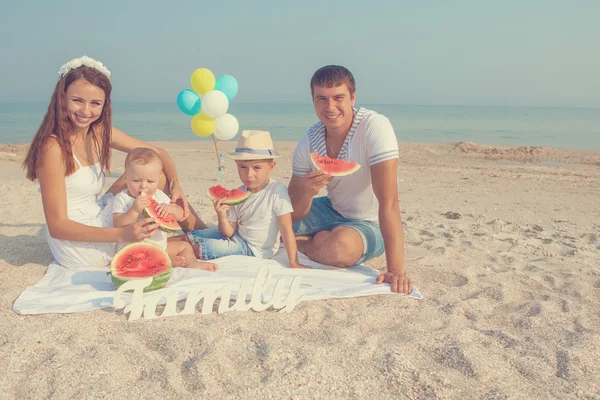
(516, 126)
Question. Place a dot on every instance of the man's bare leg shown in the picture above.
(342, 247)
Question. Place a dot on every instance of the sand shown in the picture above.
(504, 243)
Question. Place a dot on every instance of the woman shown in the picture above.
(68, 156)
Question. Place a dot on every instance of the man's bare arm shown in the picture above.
(385, 186)
(303, 189)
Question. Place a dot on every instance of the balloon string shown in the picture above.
(216, 152)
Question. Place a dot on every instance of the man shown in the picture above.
(360, 217)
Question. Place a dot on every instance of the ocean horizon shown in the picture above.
(574, 128)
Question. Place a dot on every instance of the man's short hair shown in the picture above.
(332, 76)
(142, 156)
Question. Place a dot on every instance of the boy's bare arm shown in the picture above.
(226, 227)
(289, 240)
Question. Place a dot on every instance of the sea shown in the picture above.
(572, 128)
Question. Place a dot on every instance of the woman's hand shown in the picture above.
(164, 209)
(140, 230)
(177, 197)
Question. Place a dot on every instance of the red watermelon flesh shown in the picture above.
(332, 166)
(141, 260)
(167, 223)
(230, 197)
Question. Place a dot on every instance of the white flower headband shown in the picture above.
(85, 60)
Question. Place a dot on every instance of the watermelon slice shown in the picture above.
(141, 260)
(231, 197)
(167, 224)
(332, 166)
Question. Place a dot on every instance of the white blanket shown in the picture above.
(66, 291)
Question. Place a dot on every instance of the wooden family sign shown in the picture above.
(145, 305)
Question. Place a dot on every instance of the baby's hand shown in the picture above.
(220, 208)
(140, 203)
(163, 210)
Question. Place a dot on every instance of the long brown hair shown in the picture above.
(56, 122)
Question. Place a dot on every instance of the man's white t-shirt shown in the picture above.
(257, 218)
(371, 140)
(123, 202)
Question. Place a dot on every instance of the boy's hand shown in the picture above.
(163, 210)
(220, 208)
(140, 203)
(298, 265)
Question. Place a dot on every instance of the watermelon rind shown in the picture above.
(165, 227)
(231, 202)
(159, 280)
(162, 225)
(352, 167)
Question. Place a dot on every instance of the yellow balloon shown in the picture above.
(202, 81)
(203, 125)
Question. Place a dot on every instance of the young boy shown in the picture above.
(255, 226)
(142, 172)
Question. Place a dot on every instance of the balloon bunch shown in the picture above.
(208, 102)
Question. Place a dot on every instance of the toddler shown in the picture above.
(143, 168)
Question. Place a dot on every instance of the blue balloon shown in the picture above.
(228, 85)
(189, 102)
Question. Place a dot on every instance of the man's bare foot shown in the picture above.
(207, 266)
(178, 261)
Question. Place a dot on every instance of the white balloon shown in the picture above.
(215, 104)
(226, 127)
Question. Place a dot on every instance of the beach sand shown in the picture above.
(504, 243)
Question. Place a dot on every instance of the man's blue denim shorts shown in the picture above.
(323, 217)
(214, 245)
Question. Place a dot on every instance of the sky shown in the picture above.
(488, 53)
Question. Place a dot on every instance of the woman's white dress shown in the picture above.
(84, 205)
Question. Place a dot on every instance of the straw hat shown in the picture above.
(254, 145)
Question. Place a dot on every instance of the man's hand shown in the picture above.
(400, 282)
(314, 181)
